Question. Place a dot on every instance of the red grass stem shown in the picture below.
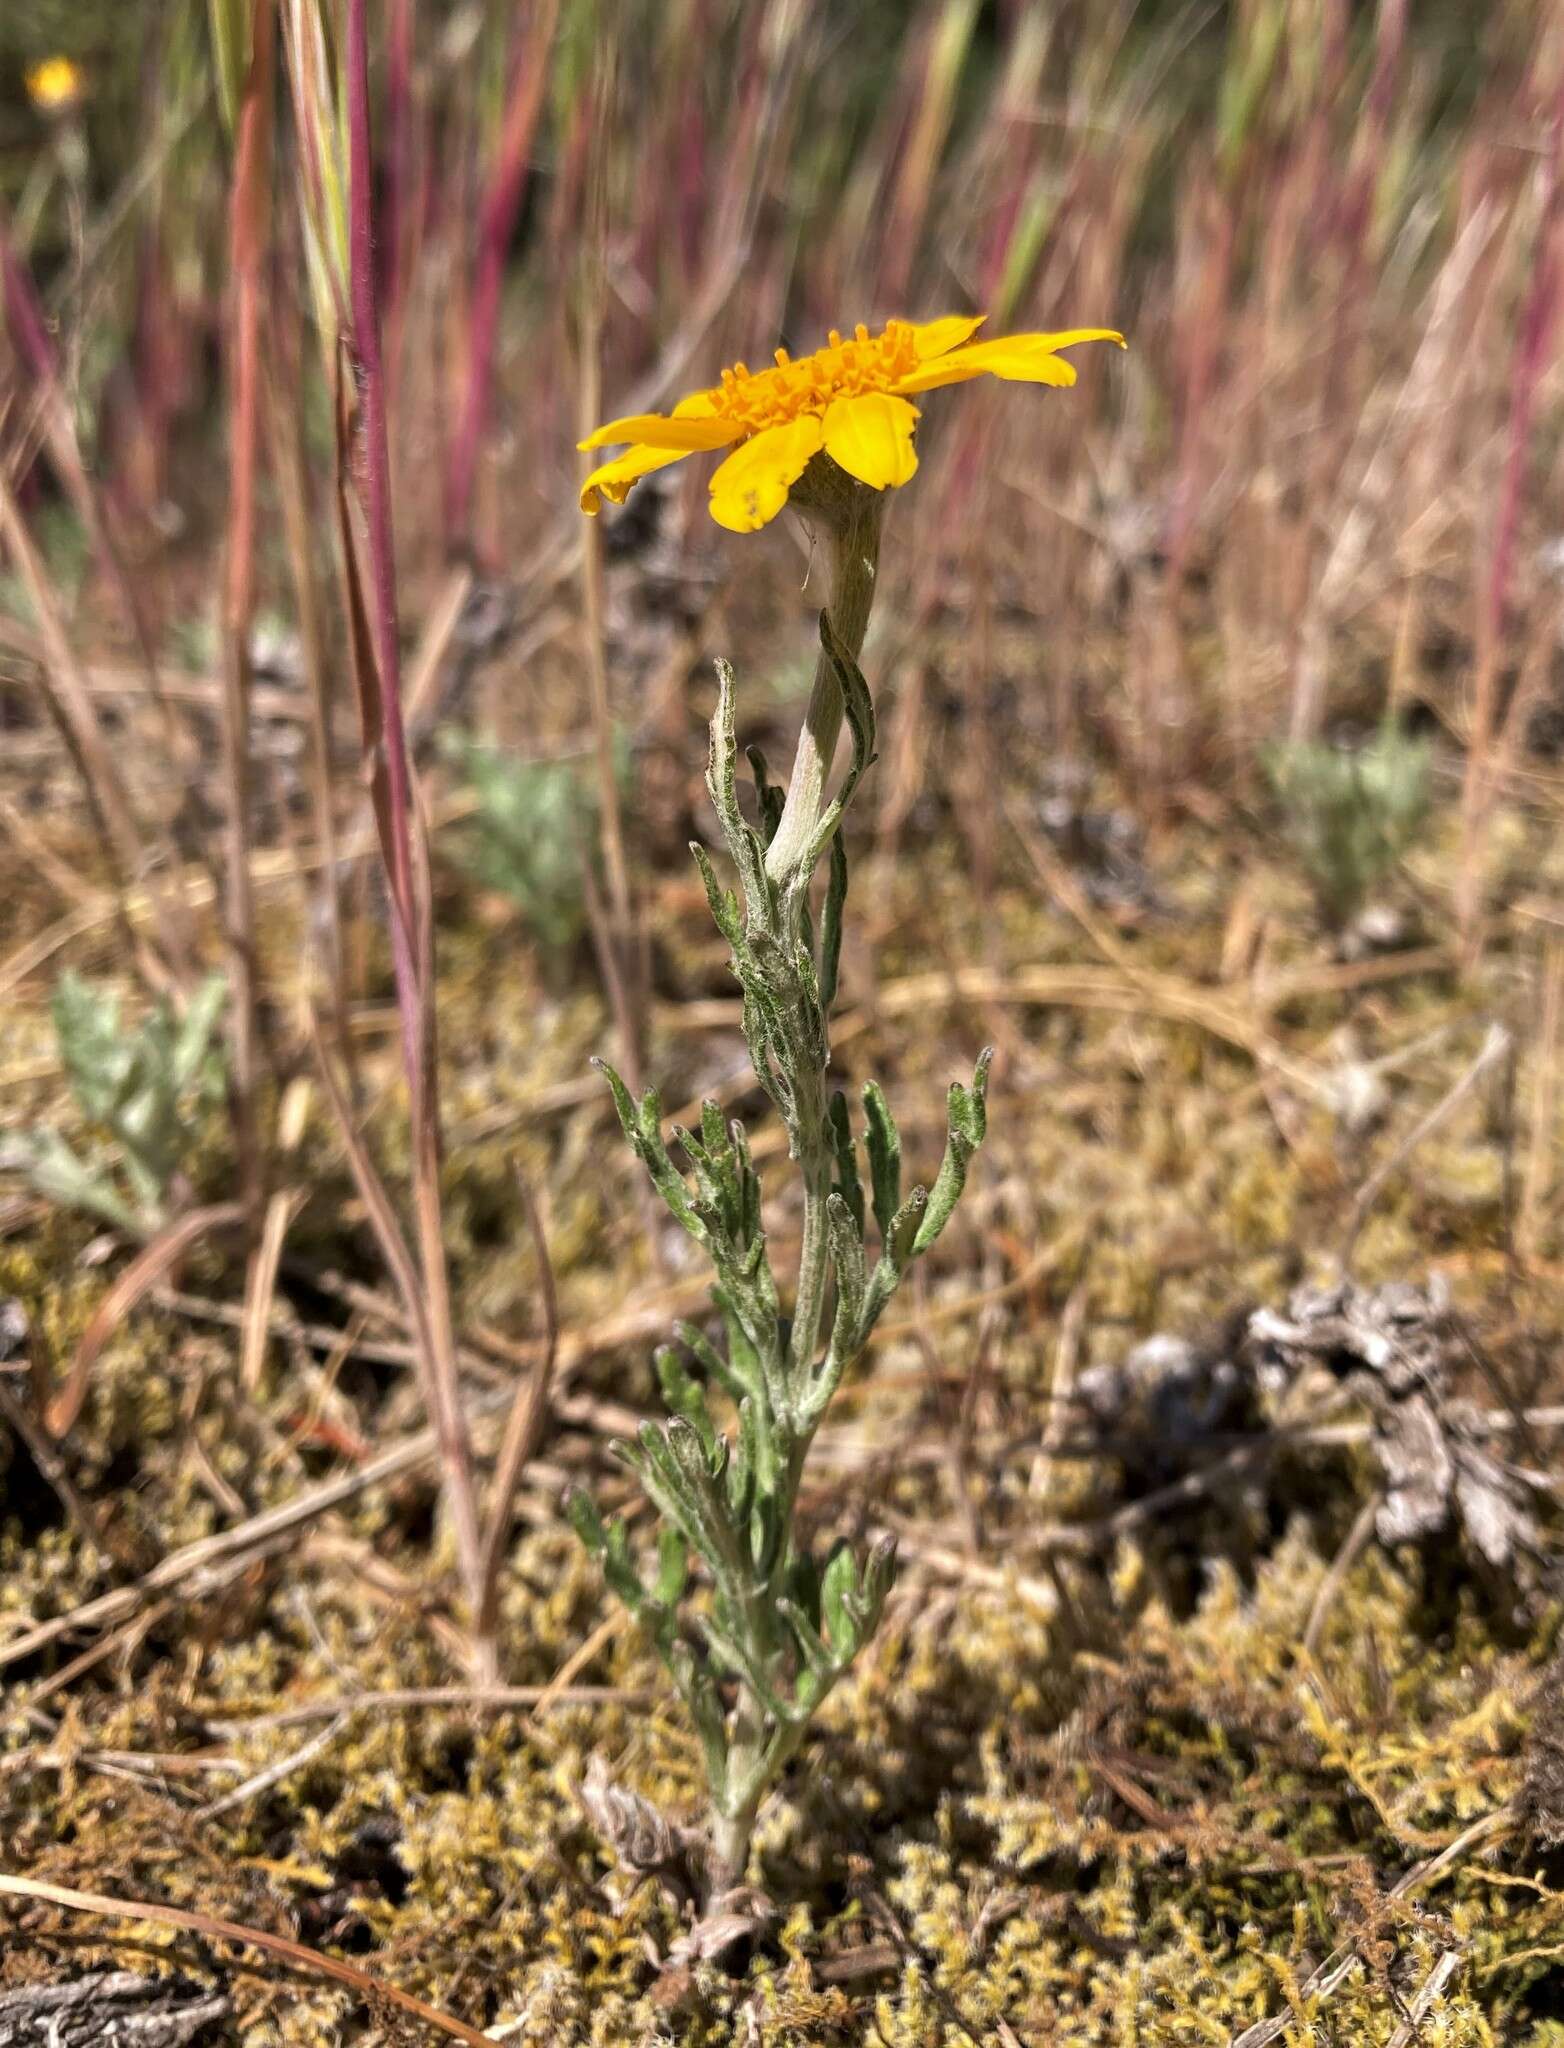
(247, 252)
(501, 207)
(412, 931)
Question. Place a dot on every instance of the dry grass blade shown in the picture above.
(216, 1555)
(525, 1424)
(364, 505)
(363, 660)
(1542, 1148)
(64, 879)
(284, 1206)
(274, 868)
(1339, 1966)
(1353, 1546)
(1087, 986)
(467, 1699)
(616, 941)
(249, 207)
(71, 704)
(261, 1284)
(424, 670)
(1432, 1989)
(139, 1277)
(60, 437)
(373, 1990)
(291, 471)
(396, 1252)
(1495, 1047)
(274, 1773)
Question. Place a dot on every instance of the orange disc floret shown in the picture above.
(850, 400)
(756, 399)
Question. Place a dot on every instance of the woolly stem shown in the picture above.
(851, 516)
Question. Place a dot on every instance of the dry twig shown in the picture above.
(371, 1989)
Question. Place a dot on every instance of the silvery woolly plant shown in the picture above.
(147, 1087)
(1350, 814)
(756, 1647)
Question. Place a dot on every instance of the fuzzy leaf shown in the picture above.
(642, 1125)
(610, 1544)
(838, 1584)
(587, 1521)
(684, 1483)
(748, 1182)
(858, 705)
(673, 1568)
(847, 1261)
(883, 1144)
(848, 1185)
(741, 1467)
(724, 905)
(197, 1029)
(895, 1252)
(722, 782)
(831, 923)
(966, 1126)
(60, 1177)
(710, 1360)
(699, 1693)
(97, 1058)
(768, 797)
(814, 1651)
(684, 1398)
(729, 1646)
(905, 1227)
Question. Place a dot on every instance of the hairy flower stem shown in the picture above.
(851, 518)
(777, 1625)
(850, 514)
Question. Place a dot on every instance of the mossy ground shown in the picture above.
(1107, 1800)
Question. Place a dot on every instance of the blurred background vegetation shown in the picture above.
(1331, 230)
(1221, 711)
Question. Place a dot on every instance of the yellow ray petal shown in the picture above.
(1020, 358)
(612, 480)
(937, 337)
(952, 369)
(1020, 366)
(1066, 338)
(656, 430)
(871, 437)
(751, 487)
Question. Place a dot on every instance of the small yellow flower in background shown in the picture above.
(54, 85)
(851, 399)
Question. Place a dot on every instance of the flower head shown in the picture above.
(54, 85)
(851, 400)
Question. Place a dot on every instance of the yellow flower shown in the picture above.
(852, 399)
(54, 85)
